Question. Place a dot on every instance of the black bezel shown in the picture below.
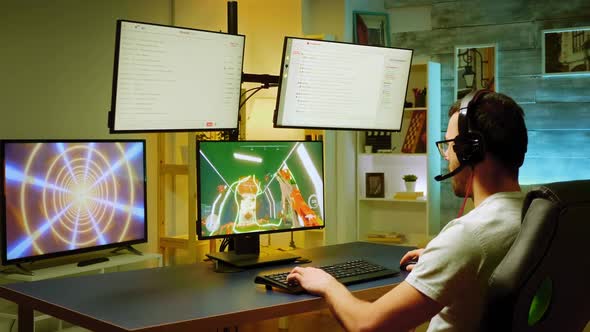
(3, 217)
(111, 114)
(283, 58)
(198, 171)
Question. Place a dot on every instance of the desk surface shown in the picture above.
(183, 297)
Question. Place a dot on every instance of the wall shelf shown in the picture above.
(413, 219)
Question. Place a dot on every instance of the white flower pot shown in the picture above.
(410, 186)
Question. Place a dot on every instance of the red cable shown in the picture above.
(466, 195)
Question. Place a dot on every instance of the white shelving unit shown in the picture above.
(415, 220)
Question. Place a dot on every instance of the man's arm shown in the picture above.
(400, 309)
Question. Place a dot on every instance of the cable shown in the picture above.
(12, 325)
(258, 88)
(253, 93)
(243, 93)
(467, 192)
(224, 244)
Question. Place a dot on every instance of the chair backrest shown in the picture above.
(543, 282)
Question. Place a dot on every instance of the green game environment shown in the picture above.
(259, 186)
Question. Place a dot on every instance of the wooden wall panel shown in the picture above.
(564, 89)
(447, 65)
(450, 14)
(519, 62)
(572, 10)
(543, 116)
(520, 88)
(479, 12)
(406, 3)
(441, 41)
(559, 144)
(550, 169)
(581, 20)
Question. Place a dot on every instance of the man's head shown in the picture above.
(494, 122)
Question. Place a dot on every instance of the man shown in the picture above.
(449, 283)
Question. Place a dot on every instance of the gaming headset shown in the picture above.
(469, 144)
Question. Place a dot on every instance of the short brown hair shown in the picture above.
(500, 120)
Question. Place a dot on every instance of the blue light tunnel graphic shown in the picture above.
(63, 196)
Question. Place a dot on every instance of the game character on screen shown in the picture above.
(247, 190)
(294, 206)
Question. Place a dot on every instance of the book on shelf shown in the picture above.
(411, 195)
(415, 139)
(391, 237)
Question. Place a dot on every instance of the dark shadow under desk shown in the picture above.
(186, 297)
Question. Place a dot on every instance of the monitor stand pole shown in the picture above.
(129, 248)
(292, 243)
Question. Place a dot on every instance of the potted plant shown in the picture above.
(410, 181)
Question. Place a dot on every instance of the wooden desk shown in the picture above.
(187, 297)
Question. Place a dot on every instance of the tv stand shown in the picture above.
(91, 261)
(246, 254)
(128, 248)
(73, 268)
(23, 270)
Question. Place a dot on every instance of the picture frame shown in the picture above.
(375, 185)
(476, 67)
(566, 52)
(371, 28)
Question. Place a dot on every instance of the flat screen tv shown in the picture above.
(169, 78)
(257, 187)
(63, 197)
(336, 85)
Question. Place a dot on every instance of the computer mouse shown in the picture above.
(302, 260)
(403, 266)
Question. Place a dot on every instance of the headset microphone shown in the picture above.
(450, 174)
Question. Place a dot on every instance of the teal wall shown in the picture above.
(557, 109)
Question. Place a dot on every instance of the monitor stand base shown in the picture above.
(128, 248)
(242, 261)
(23, 270)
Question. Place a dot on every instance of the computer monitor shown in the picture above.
(248, 188)
(335, 85)
(170, 78)
(63, 197)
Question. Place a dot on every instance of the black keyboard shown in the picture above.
(351, 272)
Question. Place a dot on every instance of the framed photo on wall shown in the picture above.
(375, 185)
(370, 28)
(566, 51)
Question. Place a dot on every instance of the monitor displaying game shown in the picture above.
(169, 78)
(62, 197)
(253, 187)
(336, 85)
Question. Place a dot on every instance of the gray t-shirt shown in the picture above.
(455, 266)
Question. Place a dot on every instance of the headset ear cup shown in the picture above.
(459, 148)
(470, 149)
(475, 150)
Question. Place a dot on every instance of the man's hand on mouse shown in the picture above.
(412, 255)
